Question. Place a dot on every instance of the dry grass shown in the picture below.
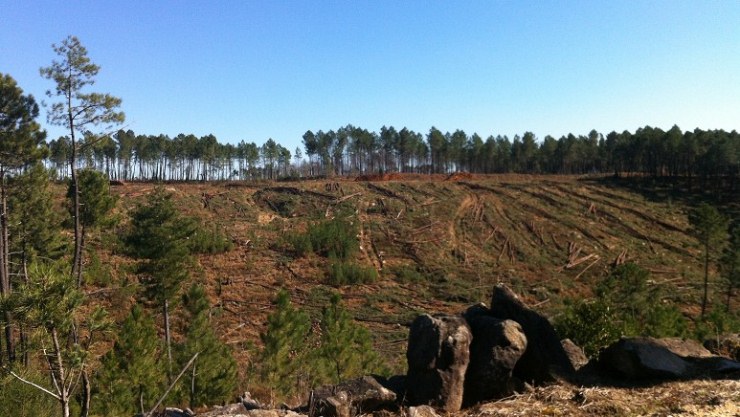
(694, 398)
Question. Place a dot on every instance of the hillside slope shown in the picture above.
(438, 245)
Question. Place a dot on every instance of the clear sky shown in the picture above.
(253, 70)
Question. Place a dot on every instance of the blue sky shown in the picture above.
(253, 70)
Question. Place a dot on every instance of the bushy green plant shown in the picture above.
(625, 305)
(406, 274)
(22, 400)
(717, 322)
(346, 349)
(209, 240)
(347, 273)
(588, 323)
(335, 238)
(132, 374)
(212, 377)
(283, 358)
(300, 244)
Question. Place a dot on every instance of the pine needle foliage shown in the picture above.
(213, 374)
(284, 357)
(346, 349)
(34, 225)
(159, 237)
(710, 227)
(347, 273)
(132, 373)
(335, 239)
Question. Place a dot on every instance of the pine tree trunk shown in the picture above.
(706, 279)
(59, 374)
(167, 338)
(86, 394)
(729, 295)
(5, 288)
(77, 260)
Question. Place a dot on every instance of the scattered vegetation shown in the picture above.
(334, 239)
(439, 240)
(626, 304)
(348, 273)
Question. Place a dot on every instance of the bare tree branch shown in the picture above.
(37, 386)
(172, 385)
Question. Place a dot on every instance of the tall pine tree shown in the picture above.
(213, 374)
(131, 377)
(710, 227)
(159, 237)
(283, 358)
(346, 349)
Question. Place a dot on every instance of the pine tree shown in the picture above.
(52, 303)
(34, 223)
(79, 112)
(34, 228)
(730, 263)
(346, 348)
(20, 145)
(159, 237)
(131, 376)
(96, 201)
(710, 227)
(283, 359)
(213, 375)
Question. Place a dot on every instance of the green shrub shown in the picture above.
(406, 274)
(590, 324)
(344, 273)
(301, 244)
(335, 239)
(346, 348)
(716, 323)
(664, 320)
(625, 305)
(209, 240)
(22, 400)
(283, 359)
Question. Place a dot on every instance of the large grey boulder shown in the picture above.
(494, 352)
(438, 355)
(643, 358)
(544, 360)
(685, 348)
(351, 398)
(647, 358)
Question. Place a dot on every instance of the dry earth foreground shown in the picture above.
(507, 361)
(439, 245)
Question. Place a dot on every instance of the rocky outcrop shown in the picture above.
(351, 398)
(237, 410)
(496, 348)
(438, 355)
(642, 358)
(646, 358)
(576, 356)
(545, 359)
